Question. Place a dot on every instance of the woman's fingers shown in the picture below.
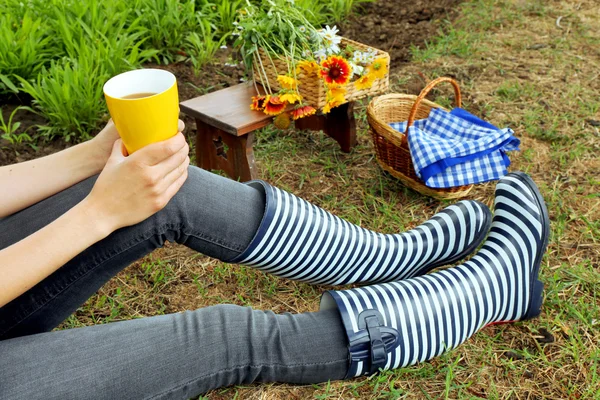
(175, 174)
(164, 168)
(176, 185)
(157, 152)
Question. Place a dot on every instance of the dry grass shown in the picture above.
(517, 67)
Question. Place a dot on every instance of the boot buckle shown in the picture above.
(373, 341)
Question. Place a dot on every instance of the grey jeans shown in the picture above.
(172, 356)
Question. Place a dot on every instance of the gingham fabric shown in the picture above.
(458, 148)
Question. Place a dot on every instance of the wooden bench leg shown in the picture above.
(217, 149)
(339, 124)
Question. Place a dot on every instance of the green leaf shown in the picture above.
(8, 83)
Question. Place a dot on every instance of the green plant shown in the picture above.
(339, 9)
(167, 24)
(69, 95)
(226, 14)
(24, 49)
(203, 45)
(9, 128)
(97, 41)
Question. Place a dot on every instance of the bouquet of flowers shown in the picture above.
(304, 69)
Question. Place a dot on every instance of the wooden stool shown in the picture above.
(225, 128)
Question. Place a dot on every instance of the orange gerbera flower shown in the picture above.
(258, 103)
(379, 67)
(303, 111)
(273, 105)
(287, 82)
(364, 82)
(308, 67)
(336, 70)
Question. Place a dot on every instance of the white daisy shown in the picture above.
(333, 49)
(369, 56)
(357, 69)
(302, 28)
(320, 54)
(358, 57)
(329, 33)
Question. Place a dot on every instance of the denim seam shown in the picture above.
(171, 390)
(133, 243)
(212, 240)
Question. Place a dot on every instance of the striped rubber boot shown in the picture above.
(300, 241)
(397, 324)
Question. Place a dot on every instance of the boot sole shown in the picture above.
(537, 286)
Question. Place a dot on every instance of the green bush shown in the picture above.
(69, 93)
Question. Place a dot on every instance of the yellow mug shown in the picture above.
(144, 104)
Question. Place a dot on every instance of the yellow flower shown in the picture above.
(308, 67)
(364, 82)
(287, 82)
(291, 97)
(336, 96)
(379, 67)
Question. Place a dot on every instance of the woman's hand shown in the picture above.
(132, 188)
(103, 142)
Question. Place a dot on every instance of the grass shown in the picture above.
(519, 69)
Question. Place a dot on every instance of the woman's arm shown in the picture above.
(27, 183)
(29, 261)
(129, 190)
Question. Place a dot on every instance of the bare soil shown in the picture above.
(395, 26)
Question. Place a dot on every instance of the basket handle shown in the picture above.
(425, 92)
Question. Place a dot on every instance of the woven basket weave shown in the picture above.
(312, 87)
(391, 146)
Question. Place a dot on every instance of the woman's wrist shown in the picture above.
(95, 155)
(100, 222)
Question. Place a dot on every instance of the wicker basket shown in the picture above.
(391, 146)
(312, 87)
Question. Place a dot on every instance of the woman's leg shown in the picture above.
(214, 215)
(256, 224)
(175, 356)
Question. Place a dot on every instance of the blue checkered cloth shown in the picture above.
(457, 148)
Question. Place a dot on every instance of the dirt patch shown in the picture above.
(224, 71)
(394, 28)
(15, 153)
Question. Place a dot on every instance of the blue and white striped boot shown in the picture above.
(396, 324)
(300, 241)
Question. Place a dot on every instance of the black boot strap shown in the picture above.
(373, 341)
